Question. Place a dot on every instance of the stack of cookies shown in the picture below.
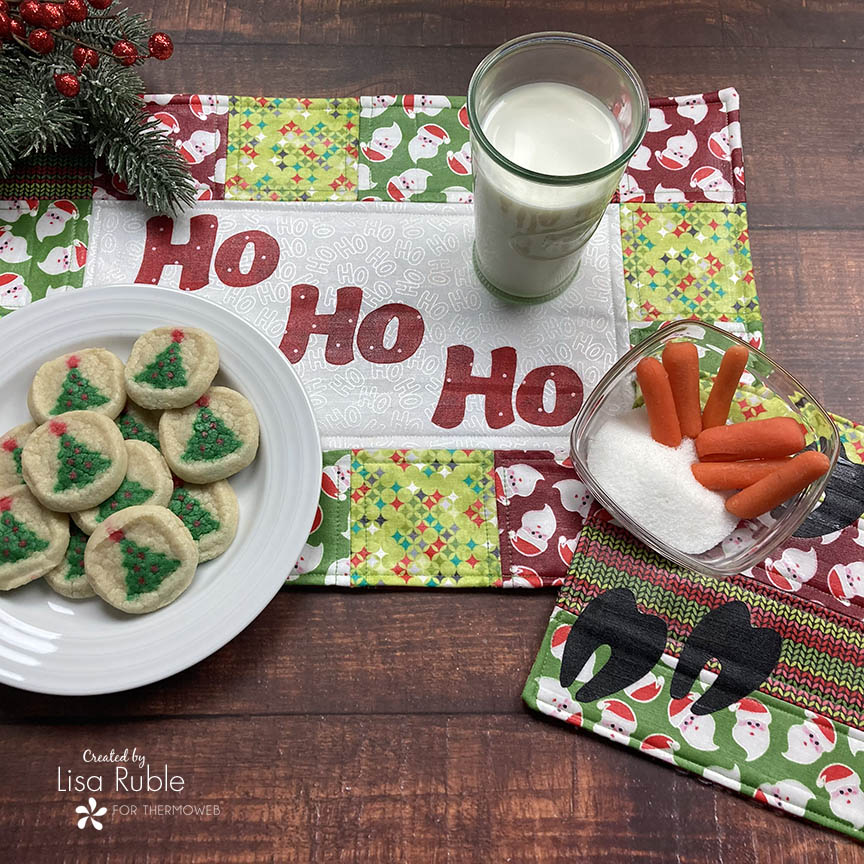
(138, 456)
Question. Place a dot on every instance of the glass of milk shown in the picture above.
(554, 119)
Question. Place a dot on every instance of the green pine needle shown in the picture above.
(108, 112)
(147, 162)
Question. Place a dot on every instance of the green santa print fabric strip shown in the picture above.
(43, 249)
(414, 148)
(324, 558)
(631, 653)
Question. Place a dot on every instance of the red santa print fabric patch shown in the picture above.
(827, 570)
(541, 507)
(198, 126)
(691, 152)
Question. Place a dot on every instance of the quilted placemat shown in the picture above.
(341, 228)
(744, 684)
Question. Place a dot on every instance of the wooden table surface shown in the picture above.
(387, 726)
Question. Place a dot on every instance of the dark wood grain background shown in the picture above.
(387, 726)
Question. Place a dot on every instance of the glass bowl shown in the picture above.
(767, 390)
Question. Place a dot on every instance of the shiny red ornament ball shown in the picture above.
(75, 10)
(67, 84)
(31, 12)
(100, 4)
(83, 56)
(4, 6)
(17, 28)
(41, 41)
(52, 16)
(5, 24)
(125, 52)
(160, 46)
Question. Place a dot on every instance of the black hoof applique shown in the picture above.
(747, 656)
(843, 503)
(636, 641)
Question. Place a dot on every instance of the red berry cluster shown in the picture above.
(30, 23)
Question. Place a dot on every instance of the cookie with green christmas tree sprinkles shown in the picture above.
(140, 559)
(68, 577)
(74, 462)
(11, 446)
(147, 481)
(139, 424)
(33, 539)
(212, 439)
(87, 380)
(171, 367)
(210, 512)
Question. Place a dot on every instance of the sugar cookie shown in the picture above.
(75, 461)
(210, 513)
(32, 539)
(68, 577)
(11, 445)
(212, 439)
(86, 380)
(140, 559)
(170, 367)
(139, 424)
(147, 481)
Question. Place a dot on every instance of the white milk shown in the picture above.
(529, 234)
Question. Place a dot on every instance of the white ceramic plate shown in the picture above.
(53, 645)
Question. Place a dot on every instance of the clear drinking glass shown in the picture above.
(530, 228)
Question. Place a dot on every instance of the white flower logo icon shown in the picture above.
(90, 813)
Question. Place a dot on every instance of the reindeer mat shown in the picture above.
(743, 684)
(342, 229)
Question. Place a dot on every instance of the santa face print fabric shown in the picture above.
(691, 152)
(623, 657)
(43, 249)
(416, 148)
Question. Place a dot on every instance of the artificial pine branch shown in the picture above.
(104, 29)
(51, 99)
(111, 92)
(8, 154)
(41, 121)
(146, 160)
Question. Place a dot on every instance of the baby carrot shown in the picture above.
(752, 439)
(725, 383)
(764, 495)
(659, 403)
(681, 362)
(734, 475)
